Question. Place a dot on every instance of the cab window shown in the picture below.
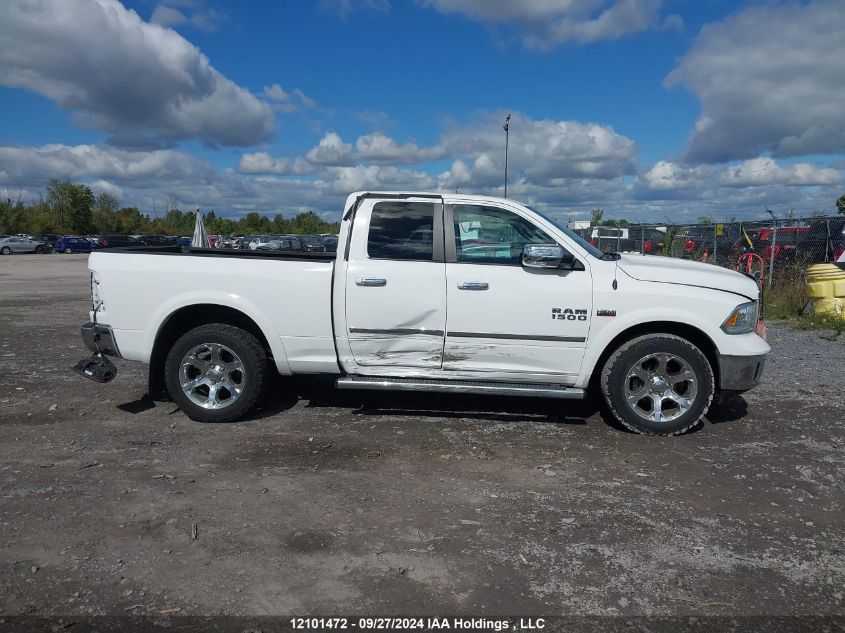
(402, 230)
(489, 235)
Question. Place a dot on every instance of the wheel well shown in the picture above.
(186, 319)
(688, 332)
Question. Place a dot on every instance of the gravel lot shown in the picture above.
(328, 502)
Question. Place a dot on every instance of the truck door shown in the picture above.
(396, 285)
(504, 318)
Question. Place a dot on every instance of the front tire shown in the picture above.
(68, 251)
(658, 384)
(216, 373)
(5, 251)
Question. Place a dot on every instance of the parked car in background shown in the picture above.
(330, 243)
(49, 240)
(725, 243)
(158, 240)
(647, 241)
(230, 241)
(610, 238)
(824, 240)
(15, 244)
(783, 246)
(117, 241)
(258, 240)
(72, 244)
(312, 243)
(283, 243)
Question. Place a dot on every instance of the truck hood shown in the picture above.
(688, 273)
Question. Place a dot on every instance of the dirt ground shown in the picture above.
(327, 503)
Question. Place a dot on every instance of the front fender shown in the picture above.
(601, 338)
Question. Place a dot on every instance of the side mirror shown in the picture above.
(543, 255)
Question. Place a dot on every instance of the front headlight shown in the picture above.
(742, 320)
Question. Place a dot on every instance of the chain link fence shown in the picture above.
(767, 248)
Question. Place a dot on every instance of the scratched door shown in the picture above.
(396, 285)
(504, 318)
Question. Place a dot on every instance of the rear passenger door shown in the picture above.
(396, 285)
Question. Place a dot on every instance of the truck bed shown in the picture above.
(287, 294)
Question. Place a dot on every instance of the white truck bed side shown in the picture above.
(287, 299)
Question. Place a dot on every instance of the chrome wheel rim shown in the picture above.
(212, 376)
(660, 387)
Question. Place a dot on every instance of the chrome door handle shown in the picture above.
(473, 285)
(370, 282)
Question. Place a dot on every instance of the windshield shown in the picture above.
(592, 250)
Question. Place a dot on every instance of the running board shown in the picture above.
(461, 386)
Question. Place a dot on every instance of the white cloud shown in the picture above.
(670, 176)
(769, 80)
(380, 148)
(748, 186)
(121, 75)
(192, 13)
(543, 152)
(380, 178)
(288, 101)
(547, 23)
(331, 150)
(150, 179)
(765, 171)
(263, 163)
(36, 165)
(104, 186)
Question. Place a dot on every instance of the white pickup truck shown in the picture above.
(430, 292)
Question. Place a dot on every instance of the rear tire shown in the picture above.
(5, 251)
(68, 251)
(39, 250)
(658, 384)
(216, 373)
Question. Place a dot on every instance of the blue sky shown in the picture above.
(641, 107)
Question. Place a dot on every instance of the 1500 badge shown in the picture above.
(569, 314)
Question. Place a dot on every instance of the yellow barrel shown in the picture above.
(830, 305)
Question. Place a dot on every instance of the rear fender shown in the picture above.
(229, 300)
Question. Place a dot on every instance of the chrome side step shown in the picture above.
(460, 386)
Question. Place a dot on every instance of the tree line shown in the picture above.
(74, 209)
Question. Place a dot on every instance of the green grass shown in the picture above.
(785, 300)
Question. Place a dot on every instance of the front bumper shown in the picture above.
(740, 373)
(100, 338)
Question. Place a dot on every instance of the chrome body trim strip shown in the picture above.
(398, 331)
(462, 387)
(518, 337)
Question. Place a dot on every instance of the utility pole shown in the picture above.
(506, 127)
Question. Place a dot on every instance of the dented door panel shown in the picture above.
(396, 308)
(525, 321)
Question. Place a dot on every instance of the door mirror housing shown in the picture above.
(548, 256)
(542, 255)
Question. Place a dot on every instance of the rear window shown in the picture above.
(402, 230)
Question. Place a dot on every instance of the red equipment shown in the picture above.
(746, 264)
